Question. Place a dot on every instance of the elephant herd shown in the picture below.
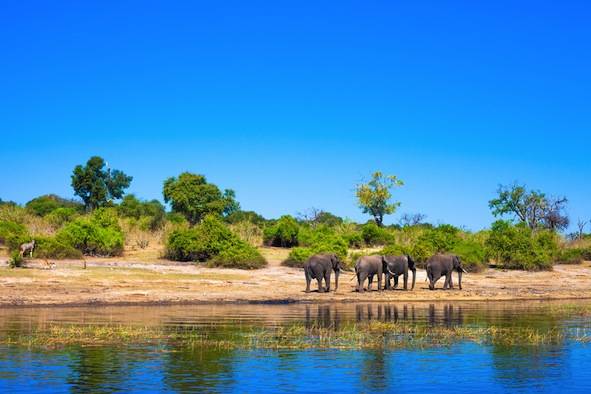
(321, 266)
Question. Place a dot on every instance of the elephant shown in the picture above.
(368, 266)
(443, 265)
(319, 267)
(400, 265)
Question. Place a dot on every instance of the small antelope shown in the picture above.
(28, 248)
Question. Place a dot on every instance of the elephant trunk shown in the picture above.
(414, 278)
(336, 280)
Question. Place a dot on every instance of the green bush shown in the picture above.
(238, 255)
(518, 247)
(373, 235)
(44, 205)
(97, 235)
(212, 241)
(50, 248)
(245, 216)
(60, 216)
(395, 250)
(283, 233)
(15, 260)
(297, 257)
(472, 254)
(573, 255)
(13, 234)
(150, 214)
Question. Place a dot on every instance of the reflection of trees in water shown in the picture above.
(374, 371)
(98, 369)
(197, 369)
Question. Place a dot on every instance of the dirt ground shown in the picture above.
(141, 277)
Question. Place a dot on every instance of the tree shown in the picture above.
(581, 224)
(43, 205)
(97, 186)
(374, 196)
(530, 207)
(407, 219)
(191, 195)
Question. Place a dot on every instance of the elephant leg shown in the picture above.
(434, 280)
(308, 280)
(395, 281)
(327, 280)
(387, 284)
(451, 280)
(446, 283)
(320, 288)
(362, 277)
(405, 280)
(379, 282)
(369, 282)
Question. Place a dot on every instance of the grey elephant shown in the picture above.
(366, 268)
(319, 267)
(444, 265)
(400, 265)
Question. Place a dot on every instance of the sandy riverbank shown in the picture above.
(130, 281)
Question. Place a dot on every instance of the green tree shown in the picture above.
(191, 195)
(97, 186)
(43, 205)
(374, 196)
(532, 207)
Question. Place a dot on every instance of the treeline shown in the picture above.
(206, 224)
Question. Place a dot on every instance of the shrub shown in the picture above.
(99, 235)
(150, 214)
(43, 205)
(570, 256)
(15, 260)
(321, 242)
(245, 216)
(60, 216)
(238, 255)
(518, 247)
(248, 232)
(472, 254)
(50, 248)
(374, 235)
(212, 241)
(13, 234)
(284, 233)
(395, 250)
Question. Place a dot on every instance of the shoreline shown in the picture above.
(119, 282)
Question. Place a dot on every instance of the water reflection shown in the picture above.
(174, 366)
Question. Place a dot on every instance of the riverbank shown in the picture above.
(147, 280)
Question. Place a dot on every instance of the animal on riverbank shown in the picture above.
(444, 265)
(27, 248)
(400, 265)
(319, 267)
(366, 268)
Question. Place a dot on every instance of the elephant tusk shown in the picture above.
(391, 273)
(464, 271)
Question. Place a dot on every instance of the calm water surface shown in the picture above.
(168, 367)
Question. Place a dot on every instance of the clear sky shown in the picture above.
(291, 103)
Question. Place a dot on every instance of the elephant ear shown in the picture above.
(411, 262)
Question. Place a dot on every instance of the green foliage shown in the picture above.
(518, 247)
(7, 203)
(374, 235)
(571, 256)
(60, 216)
(283, 233)
(245, 216)
(50, 248)
(15, 260)
(97, 186)
(97, 235)
(238, 255)
(472, 253)
(318, 240)
(150, 214)
(395, 250)
(374, 196)
(212, 241)
(192, 196)
(44, 205)
(13, 234)
(177, 218)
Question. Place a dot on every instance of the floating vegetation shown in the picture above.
(365, 335)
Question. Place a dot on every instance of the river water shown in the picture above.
(562, 365)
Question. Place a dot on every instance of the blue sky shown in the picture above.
(292, 103)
